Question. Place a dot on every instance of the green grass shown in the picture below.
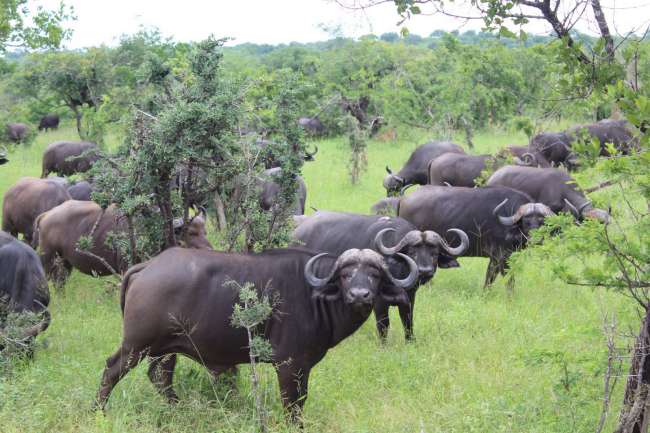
(483, 361)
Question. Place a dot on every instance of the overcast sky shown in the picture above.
(278, 21)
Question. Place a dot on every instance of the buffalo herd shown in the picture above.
(340, 265)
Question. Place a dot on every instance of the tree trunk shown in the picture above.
(77, 115)
(220, 209)
(604, 29)
(634, 416)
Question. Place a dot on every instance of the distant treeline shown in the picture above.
(445, 82)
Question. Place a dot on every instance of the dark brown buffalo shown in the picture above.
(416, 169)
(335, 232)
(69, 157)
(23, 286)
(457, 169)
(556, 148)
(386, 206)
(26, 200)
(57, 233)
(312, 125)
(616, 132)
(524, 155)
(551, 186)
(49, 121)
(270, 188)
(497, 220)
(182, 301)
(17, 132)
(81, 190)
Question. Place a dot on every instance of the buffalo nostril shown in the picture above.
(361, 293)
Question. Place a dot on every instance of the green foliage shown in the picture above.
(21, 27)
(249, 313)
(13, 344)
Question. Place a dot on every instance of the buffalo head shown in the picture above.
(423, 247)
(529, 216)
(359, 277)
(587, 211)
(392, 182)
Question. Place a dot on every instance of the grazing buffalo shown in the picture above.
(556, 148)
(17, 132)
(616, 132)
(81, 191)
(69, 157)
(58, 231)
(23, 286)
(524, 155)
(497, 220)
(312, 125)
(551, 186)
(320, 301)
(26, 200)
(269, 190)
(49, 121)
(271, 160)
(335, 232)
(416, 169)
(3, 155)
(457, 169)
(386, 206)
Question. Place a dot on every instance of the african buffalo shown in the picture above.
(386, 206)
(3, 155)
(456, 169)
(416, 169)
(58, 231)
(335, 232)
(524, 155)
(551, 186)
(312, 125)
(26, 200)
(556, 148)
(69, 157)
(269, 190)
(17, 132)
(270, 159)
(168, 310)
(616, 132)
(23, 286)
(81, 190)
(496, 219)
(49, 121)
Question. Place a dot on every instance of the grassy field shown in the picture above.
(483, 361)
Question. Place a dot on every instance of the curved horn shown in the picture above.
(379, 243)
(573, 209)
(464, 242)
(581, 208)
(388, 170)
(312, 279)
(506, 221)
(410, 279)
(405, 187)
(528, 158)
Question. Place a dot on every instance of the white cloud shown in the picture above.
(276, 21)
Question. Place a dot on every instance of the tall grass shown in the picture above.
(483, 361)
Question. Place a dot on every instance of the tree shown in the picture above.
(20, 28)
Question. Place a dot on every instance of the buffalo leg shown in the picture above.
(224, 374)
(161, 374)
(117, 366)
(492, 271)
(293, 387)
(381, 319)
(406, 314)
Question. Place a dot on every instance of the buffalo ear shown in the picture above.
(329, 292)
(394, 295)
